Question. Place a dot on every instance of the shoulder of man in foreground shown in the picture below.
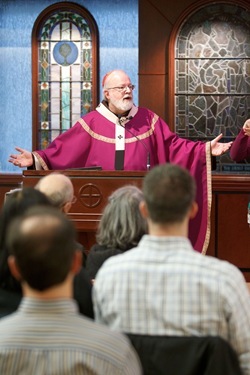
(84, 335)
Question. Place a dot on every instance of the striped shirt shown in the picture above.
(50, 337)
(164, 287)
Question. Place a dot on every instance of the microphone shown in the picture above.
(120, 120)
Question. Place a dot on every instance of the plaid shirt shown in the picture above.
(164, 287)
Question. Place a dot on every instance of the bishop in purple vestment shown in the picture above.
(120, 135)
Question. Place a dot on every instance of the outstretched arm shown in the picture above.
(23, 159)
(241, 146)
(218, 148)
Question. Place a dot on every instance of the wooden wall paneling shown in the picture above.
(232, 233)
(154, 30)
(233, 229)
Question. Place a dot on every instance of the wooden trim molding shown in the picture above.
(231, 183)
(10, 179)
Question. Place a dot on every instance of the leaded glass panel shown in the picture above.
(64, 73)
(212, 85)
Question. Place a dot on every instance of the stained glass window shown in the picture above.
(212, 85)
(65, 73)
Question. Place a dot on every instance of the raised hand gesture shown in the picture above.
(218, 148)
(23, 159)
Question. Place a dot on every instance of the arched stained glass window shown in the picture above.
(212, 66)
(65, 70)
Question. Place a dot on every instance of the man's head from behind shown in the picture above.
(59, 189)
(169, 192)
(42, 246)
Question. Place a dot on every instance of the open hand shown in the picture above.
(218, 148)
(23, 159)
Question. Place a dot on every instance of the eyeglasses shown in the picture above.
(74, 199)
(122, 88)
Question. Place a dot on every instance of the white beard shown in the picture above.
(122, 104)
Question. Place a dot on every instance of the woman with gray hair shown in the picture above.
(120, 229)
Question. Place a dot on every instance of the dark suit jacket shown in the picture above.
(171, 355)
(97, 256)
(9, 302)
(82, 293)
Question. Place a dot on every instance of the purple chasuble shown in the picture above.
(240, 149)
(91, 142)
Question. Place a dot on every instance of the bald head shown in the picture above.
(114, 76)
(58, 188)
(43, 243)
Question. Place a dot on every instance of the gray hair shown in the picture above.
(122, 225)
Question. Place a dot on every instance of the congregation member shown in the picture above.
(118, 135)
(16, 204)
(60, 190)
(240, 149)
(163, 286)
(121, 227)
(10, 289)
(47, 335)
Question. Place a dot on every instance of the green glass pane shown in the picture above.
(44, 100)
